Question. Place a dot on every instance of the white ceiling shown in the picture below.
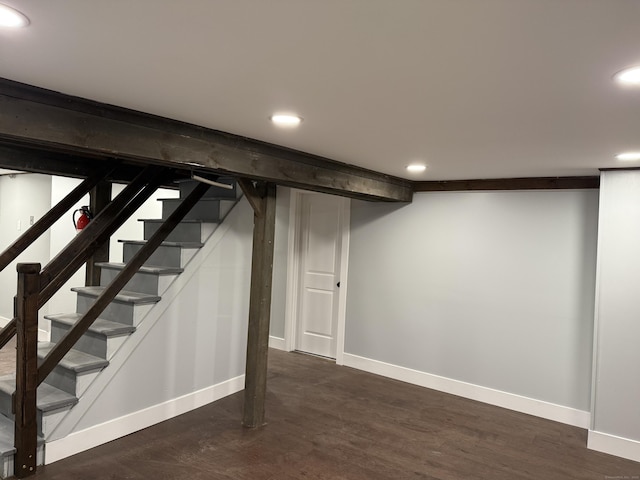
(474, 88)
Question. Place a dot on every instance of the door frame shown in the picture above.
(294, 274)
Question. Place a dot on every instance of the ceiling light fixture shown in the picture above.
(416, 167)
(286, 120)
(10, 17)
(629, 77)
(628, 156)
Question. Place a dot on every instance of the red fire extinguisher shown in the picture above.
(83, 220)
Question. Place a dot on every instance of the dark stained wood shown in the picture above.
(252, 195)
(16, 157)
(48, 120)
(81, 326)
(48, 219)
(259, 309)
(538, 183)
(329, 422)
(26, 428)
(100, 196)
(64, 264)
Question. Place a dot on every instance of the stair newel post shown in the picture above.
(264, 206)
(26, 429)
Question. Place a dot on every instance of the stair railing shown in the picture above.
(36, 286)
(41, 226)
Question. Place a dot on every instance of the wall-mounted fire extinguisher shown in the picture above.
(83, 220)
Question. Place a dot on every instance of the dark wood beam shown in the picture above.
(48, 120)
(259, 309)
(19, 157)
(537, 183)
(100, 196)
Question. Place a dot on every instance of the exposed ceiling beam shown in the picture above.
(537, 183)
(51, 121)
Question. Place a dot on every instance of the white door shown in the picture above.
(320, 240)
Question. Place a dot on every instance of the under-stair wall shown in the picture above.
(188, 350)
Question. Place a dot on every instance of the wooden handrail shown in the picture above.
(56, 273)
(49, 218)
(73, 335)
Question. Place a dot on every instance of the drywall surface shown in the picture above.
(495, 289)
(24, 198)
(280, 259)
(617, 353)
(194, 339)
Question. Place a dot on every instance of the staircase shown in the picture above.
(64, 387)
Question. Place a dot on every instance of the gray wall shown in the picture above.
(491, 288)
(22, 196)
(281, 245)
(617, 346)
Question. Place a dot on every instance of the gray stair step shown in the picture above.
(49, 398)
(185, 231)
(207, 209)
(128, 307)
(75, 371)
(168, 254)
(125, 296)
(103, 338)
(100, 326)
(153, 280)
(74, 360)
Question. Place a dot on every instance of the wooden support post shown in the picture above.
(26, 428)
(259, 305)
(100, 196)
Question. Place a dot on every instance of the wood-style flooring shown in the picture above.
(330, 422)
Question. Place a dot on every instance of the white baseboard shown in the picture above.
(618, 446)
(4, 321)
(550, 411)
(105, 432)
(277, 343)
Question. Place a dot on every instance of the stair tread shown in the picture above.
(74, 360)
(48, 398)
(167, 244)
(100, 326)
(124, 296)
(144, 269)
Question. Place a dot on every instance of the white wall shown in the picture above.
(492, 290)
(16, 212)
(279, 282)
(616, 387)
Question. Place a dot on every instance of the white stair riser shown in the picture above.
(70, 381)
(184, 232)
(6, 470)
(141, 282)
(126, 313)
(91, 343)
(164, 256)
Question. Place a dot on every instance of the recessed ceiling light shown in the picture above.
(628, 156)
(12, 18)
(416, 167)
(629, 77)
(286, 120)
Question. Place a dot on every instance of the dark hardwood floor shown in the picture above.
(329, 422)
